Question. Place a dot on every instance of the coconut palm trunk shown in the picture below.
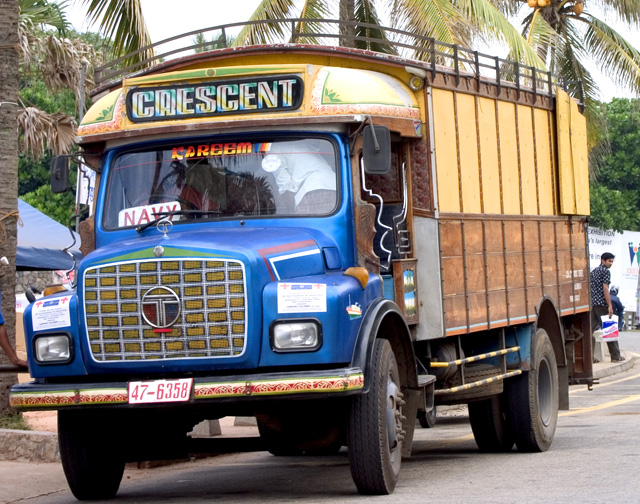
(8, 176)
(347, 13)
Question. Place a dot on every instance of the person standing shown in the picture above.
(600, 278)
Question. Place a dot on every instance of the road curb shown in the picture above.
(29, 446)
(611, 368)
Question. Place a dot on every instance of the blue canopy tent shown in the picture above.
(41, 241)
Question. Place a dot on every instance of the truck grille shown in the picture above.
(166, 309)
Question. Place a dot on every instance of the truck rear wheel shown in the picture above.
(375, 426)
(489, 425)
(533, 398)
(93, 465)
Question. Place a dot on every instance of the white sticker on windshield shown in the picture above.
(143, 214)
(51, 313)
(301, 297)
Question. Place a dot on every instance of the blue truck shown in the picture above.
(333, 240)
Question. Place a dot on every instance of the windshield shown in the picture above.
(264, 178)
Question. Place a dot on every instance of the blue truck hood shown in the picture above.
(277, 253)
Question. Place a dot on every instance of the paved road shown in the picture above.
(595, 458)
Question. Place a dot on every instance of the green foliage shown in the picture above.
(614, 209)
(59, 207)
(33, 173)
(615, 192)
(13, 420)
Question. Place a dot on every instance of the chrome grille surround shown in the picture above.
(212, 320)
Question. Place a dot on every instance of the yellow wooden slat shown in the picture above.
(509, 157)
(527, 161)
(543, 159)
(468, 141)
(446, 151)
(489, 156)
(565, 155)
(580, 156)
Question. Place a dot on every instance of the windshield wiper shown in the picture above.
(165, 214)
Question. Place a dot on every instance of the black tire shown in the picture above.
(533, 398)
(278, 442)
(375, 434)
(427, 419)
(93, 466)
(490, 426)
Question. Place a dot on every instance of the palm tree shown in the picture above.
(580, 36)
(449, 21)
(122, 22)
(9, 173)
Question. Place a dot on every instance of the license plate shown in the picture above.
(160, 391)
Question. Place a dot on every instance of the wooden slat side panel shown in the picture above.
(546, 176)
(446, 151)
(468, 145)
(452, 276)
(529, 187)
(509, 158)
(497, 271)
(488, 140)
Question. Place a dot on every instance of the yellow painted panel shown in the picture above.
(527, 161)
(565, 161)
(546, 189)
(444, 131)
(580, 155)
(468, 141)
(489, 156)
(509, 158)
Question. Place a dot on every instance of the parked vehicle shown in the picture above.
(333, 240)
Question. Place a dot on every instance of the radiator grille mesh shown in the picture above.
(209, 302)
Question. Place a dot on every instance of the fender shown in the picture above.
(549, 320)
(383, 314)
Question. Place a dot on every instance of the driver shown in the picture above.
(308, 176)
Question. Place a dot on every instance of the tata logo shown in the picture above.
(160, 307)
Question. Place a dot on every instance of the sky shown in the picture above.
(163, 22)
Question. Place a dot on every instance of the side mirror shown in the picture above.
(376, 150)
(59, 174)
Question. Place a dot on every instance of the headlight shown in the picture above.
(299, 335)
(53, 348)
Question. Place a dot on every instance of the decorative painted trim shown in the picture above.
(320, 95)
(55, 399)
(280, 387)
(115, 124)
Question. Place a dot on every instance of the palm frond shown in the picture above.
(62, 64)
(495, 26)
(373, 39)
(439, 19)
(40, 130)
(619, 60)
(264, 33)
(44, 13)
(122, 22)
(625, 10)
(311, 9)
(35, 15)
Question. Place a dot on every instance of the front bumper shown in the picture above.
(333, 383)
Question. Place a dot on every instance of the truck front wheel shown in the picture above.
(375, 426)
(92, 463)
(533, 398)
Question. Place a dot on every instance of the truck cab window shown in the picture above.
(264, 178)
